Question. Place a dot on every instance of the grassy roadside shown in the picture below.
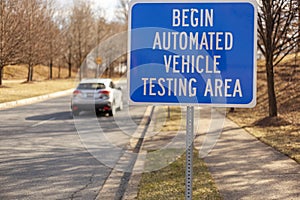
(15, 87)
(169, 182)
(16, 90)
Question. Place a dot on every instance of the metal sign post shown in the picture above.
(192, 52)
(189, 152)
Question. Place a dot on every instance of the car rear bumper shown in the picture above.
(91, 106)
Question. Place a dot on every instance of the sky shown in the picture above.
(108, 6)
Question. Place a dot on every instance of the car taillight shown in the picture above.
(76, 92)
(104, 94)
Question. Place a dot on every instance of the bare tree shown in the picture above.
(78, 38)
(68, 54)
(122, 11)
(52, 37)
(82, 28)
(66, 40)
(34, 26)
(277, 38)
(33, 32)
(102, 31)
(298, 22)
(10, 34)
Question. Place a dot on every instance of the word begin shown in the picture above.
(193, 17)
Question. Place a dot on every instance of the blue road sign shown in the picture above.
(192, 52)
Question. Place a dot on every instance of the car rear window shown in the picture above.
(91, 86)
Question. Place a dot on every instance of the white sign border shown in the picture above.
(254, 96)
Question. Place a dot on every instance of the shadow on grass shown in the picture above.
(271, 121)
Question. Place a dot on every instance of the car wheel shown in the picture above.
(98, 113)
(75, 112)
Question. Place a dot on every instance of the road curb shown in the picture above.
(31, 100)
(139, 133)
(116, 186)
(131, 191)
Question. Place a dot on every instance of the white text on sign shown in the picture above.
(201, 63)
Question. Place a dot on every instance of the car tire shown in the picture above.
(75, 112)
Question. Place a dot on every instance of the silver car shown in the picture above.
(99, 95)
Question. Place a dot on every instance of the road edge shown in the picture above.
(27, 101)
(119, 183)
(131, 191)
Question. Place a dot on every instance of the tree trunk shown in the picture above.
(1, 75)
(30, 73)
(298, 23)
(51, 70)
(59, 70)
(80, 73)
(111, 71)
(70, 69)
(269, 61)
(271, 90)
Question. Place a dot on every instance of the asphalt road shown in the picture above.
(45, 153)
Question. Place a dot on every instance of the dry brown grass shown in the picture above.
(282, 132)
(19, 72)
(168, 183)
(174, 121)
(15, 88)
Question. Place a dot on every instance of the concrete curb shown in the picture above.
(31, 100)
(113, 183)
(134, 181)
(133, 184)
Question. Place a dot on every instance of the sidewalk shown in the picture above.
(245, 168)
(242, 166)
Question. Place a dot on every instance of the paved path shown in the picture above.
(245, 168)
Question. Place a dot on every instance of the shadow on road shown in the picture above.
(53, 116)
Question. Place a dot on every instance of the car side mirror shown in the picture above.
(119, 88)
